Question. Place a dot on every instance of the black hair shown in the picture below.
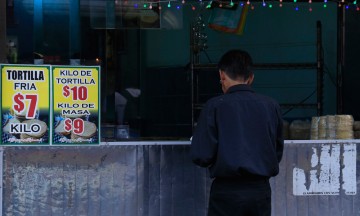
(236, 64)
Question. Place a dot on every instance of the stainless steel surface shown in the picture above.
(158, 179)
(105, 180)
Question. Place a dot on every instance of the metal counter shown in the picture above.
(157, 178)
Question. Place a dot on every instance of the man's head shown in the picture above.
(235, 68)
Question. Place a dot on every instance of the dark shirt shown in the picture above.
(238, 134)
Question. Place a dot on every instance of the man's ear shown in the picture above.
(222, 76)
(250, 80)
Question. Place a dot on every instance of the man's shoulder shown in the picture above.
(254, 96)
(229, 98)
(214, 101)
(265, 99)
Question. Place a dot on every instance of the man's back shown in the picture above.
(247, 127)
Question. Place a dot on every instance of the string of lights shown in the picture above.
(230, 3)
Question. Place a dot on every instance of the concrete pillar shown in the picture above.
(2, 31)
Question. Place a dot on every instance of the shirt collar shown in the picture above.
(239, 87)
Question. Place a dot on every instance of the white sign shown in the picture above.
(332, 170)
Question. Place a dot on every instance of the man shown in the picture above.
(239, 138)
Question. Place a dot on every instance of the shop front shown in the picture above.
(99, 100)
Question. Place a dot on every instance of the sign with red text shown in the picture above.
(25, 104)
(76, 107)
